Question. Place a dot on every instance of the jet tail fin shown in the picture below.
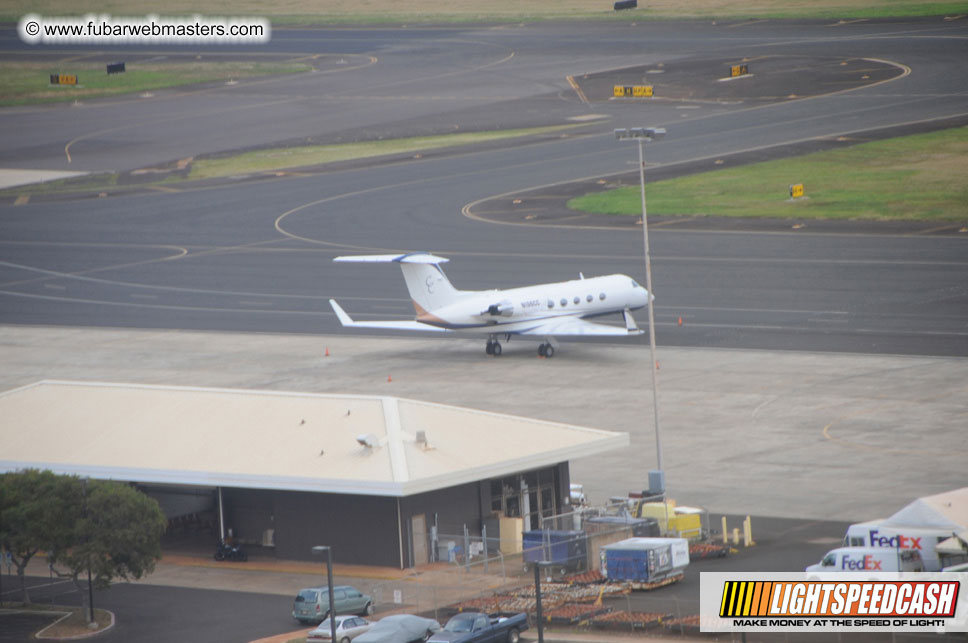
(428, 285)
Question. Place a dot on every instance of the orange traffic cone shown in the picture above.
(327, 348)
(680, 320)
(389, 378)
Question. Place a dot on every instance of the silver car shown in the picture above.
(400, 628)
(347, 629)
(312, 604)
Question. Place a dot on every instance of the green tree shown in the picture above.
(38, 510)
(117, 535)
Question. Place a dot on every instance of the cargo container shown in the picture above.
(565, 550)
(645, 560)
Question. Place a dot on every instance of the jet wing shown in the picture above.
(566, 326)
(347, 321)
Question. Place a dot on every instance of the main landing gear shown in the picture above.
(493, 347)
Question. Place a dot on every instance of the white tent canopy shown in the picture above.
(948, 510)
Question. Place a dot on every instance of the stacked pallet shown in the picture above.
(572, 613)
(626, 621)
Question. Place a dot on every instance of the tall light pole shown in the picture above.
(538, 566)
(643, 135)
(319, 549)
(90, 585)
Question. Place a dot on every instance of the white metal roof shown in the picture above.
(272, 440)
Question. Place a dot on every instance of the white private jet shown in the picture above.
(547, 310)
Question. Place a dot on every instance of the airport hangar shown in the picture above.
(367, 475)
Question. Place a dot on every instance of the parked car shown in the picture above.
(474, 627)
(347, 629)
(400, 628)
(312, 604)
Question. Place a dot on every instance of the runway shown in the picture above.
(254, 255)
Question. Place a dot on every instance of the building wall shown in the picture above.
(366, 530)
(362, 530)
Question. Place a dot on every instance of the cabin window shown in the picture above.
(589, 298)
(551, 303)
(564, 302)
(577, 300)
(601, 296)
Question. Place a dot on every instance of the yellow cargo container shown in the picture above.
(673, 522)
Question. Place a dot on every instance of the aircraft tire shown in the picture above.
(496, 349)
(549, 351)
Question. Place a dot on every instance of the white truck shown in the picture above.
(869, 559)
(880, 533)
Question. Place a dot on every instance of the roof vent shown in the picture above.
(422, 438)
(367, 440)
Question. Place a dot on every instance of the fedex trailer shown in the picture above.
(920, 539)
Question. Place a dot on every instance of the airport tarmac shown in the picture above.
(770, 433)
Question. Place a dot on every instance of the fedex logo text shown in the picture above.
(868, 562)
(898, 541)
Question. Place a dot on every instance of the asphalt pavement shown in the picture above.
(823, 423)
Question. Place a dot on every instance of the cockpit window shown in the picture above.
(635, 285)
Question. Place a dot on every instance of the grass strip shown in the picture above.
(919, 177)
(265, 160)
(29, 82)
(289, 158)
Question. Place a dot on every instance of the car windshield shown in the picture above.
(307, 596)
(460, 624)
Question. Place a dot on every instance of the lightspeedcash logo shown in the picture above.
(833, 602)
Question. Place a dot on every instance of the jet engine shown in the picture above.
(503, 309)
